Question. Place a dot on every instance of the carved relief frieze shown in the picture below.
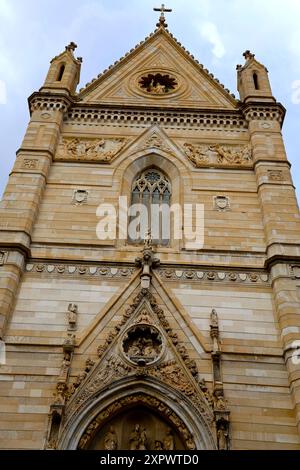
(75, 270)
(197, 275)
(216, 155)
(101, 150)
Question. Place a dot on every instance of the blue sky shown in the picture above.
(216, 32)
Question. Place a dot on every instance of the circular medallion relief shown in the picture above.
(142, 344)
(158, 83)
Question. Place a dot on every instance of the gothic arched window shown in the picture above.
(151, 190)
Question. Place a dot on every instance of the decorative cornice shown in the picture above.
(264, 112)
(204, 275)
(49, 102)
(145, 117)
(82, 270)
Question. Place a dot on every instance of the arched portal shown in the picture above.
(138, 412)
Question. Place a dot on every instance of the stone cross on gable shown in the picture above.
(162, 20)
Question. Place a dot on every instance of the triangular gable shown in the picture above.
(167, 358)
(153, 139)
(161, 54)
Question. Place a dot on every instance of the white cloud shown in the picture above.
(210, 32)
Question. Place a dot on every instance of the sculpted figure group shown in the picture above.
(138, 440)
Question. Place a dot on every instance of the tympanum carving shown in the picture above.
(142, 344)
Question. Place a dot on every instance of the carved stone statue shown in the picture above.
(143, 440)
(138, 438)
(65, 365)
(220, 403)
(72, 315)
(157, 89)
(214, 318)
(111, 440)
(169, 443)
(158, 445)
(223, 436)
(60, 393)
(148, 240)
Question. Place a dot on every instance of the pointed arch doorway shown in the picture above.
(139, 414)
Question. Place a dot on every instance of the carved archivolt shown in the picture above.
(135, 400)
(218, 155)
(101, 150)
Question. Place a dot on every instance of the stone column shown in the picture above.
(281, 226)
(20, 204)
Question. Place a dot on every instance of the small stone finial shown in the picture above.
(71, 47)
(248, 55)
(162, 19)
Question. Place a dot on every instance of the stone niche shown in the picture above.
(137, 429)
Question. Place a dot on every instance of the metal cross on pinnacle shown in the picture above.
(162, 19)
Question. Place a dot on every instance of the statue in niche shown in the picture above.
(169, 443)
(111, 440)
(138, 438)
(223, 437)
(65, 365)
(72, 315)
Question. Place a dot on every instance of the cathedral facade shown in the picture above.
(150, 342)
